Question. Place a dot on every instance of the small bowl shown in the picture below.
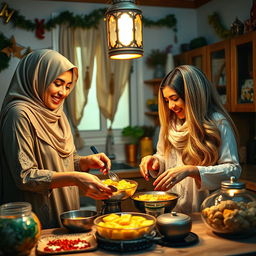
(78, 220)
(125, 232)
(155, 207)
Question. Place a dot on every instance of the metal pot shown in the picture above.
(174, 226)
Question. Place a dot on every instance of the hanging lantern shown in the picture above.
(124, 30)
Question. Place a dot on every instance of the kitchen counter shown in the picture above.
(209, 244)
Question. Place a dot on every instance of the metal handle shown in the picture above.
(94, 150)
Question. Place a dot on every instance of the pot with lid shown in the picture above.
(230, 210)
(174, 226)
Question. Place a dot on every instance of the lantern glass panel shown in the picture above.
(125, 27)
(112, 31)
(138, 30)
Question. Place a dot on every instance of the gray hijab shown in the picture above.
(33, 75)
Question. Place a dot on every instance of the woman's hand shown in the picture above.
(148, 163)
(92, 186)
(174, 175)
(95, 161)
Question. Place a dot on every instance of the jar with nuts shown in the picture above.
(230, 210)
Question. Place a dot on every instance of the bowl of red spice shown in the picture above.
(78, 220)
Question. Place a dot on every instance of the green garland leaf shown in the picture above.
(169, 21)
(84, 21)
(215, 21)
(4, 59)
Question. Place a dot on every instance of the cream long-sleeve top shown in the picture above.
(191, 197)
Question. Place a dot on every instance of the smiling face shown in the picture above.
(174, 101)
(58, 90)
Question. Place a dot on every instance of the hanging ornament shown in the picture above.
(13, 50)
(40, 28)
(5, 13)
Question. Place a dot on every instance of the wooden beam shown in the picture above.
(160, 3)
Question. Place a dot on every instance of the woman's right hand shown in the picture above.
(92, 186)
(148, 163)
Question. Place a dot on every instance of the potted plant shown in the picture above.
(157, 60)
(133, 135)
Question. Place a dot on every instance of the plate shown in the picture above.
(66, 243)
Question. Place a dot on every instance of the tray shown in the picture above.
(88, 237)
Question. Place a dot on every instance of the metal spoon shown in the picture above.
(113, 176)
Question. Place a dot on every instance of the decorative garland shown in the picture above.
(65, 17)
(215, 21)
(83, 21)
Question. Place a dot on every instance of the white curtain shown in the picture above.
(111, 78)
(73, 40)
(112, 75)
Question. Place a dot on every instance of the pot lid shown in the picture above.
(232, 183)
(173, 218)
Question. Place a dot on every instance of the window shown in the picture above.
(93, 124)
(92, 120)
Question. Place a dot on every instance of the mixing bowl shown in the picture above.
(155, 207)
(124, 225)
(78, 220)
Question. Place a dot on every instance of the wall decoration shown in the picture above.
(250, 24)
(85, 21)
(5, 13)
(9, 48)
(40, 28)
(237, 27)
(221, 31)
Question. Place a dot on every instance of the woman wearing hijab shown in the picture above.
(38, 160)
(197, 146)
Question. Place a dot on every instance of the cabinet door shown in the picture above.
(218, 69)
(180, 59)
(243, 73)
(197, 57)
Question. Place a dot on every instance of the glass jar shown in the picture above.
(19, 228)
(230, 210)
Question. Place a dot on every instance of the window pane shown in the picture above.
(121, 119)
(91, 117)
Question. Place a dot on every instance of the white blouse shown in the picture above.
(191, 197)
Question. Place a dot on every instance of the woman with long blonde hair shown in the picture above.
(198, 141)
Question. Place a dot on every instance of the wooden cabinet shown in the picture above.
(243, 75)
(197, 57)
(231, 66)
(218, 69)
(153, 113)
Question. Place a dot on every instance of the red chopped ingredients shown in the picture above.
(58, 245)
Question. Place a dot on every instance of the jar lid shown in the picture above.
(232, 183)
(173, 218)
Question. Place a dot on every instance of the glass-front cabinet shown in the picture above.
(197, 57)
(243, 73)
(218, 69)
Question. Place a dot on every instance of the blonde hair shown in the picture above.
(200, 138)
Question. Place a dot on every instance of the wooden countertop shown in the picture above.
(209, 244)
